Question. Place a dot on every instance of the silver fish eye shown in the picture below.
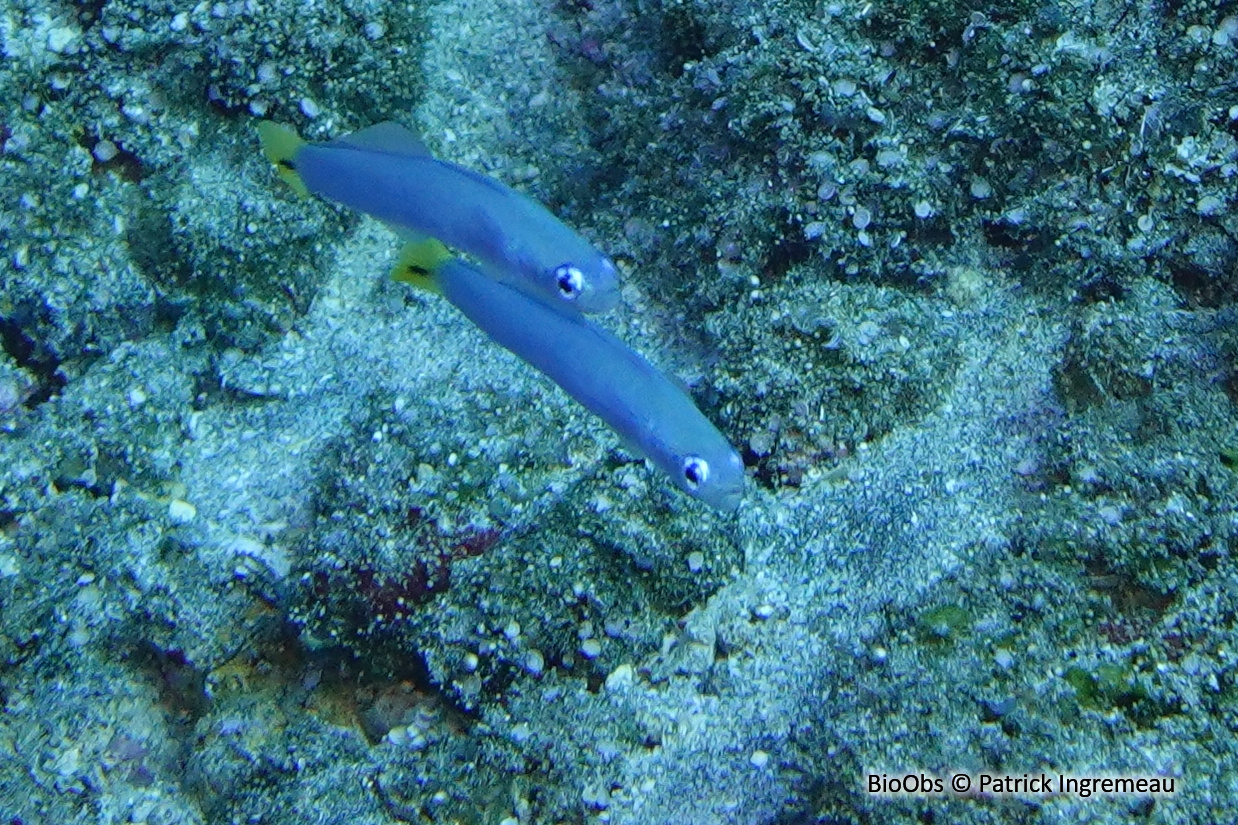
(695, 471)
(570, 280)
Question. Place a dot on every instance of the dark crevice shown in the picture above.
(790, 249)
(27, 354)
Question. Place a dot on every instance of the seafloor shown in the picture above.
(282, 541)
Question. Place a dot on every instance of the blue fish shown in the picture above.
(651, 415)
(386, 172)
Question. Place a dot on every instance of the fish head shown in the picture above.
(717, 480)
(590, 284)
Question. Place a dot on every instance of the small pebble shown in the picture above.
(1209, 205)
(181, 511)
(889, 158)
(105, 150)
(867, 332)
(814, 230)
(844, 87)
(620, 677)
(1088, 474)
(1027, 467)
(1198, 33)
(60, 39)
(1226, 33)
(403, 737)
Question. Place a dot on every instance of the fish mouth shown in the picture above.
(603, 295)
(728, 499)
(731, 495)
(733, 500)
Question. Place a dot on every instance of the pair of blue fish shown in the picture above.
(538, 277)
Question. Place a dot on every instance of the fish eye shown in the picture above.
(695, 471)
(570, 280)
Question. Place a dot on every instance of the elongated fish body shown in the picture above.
(386, 172)
(648, 412)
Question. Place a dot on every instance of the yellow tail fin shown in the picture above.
(419, 263)
(280, 145)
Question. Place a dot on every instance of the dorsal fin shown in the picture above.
(389, 138)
